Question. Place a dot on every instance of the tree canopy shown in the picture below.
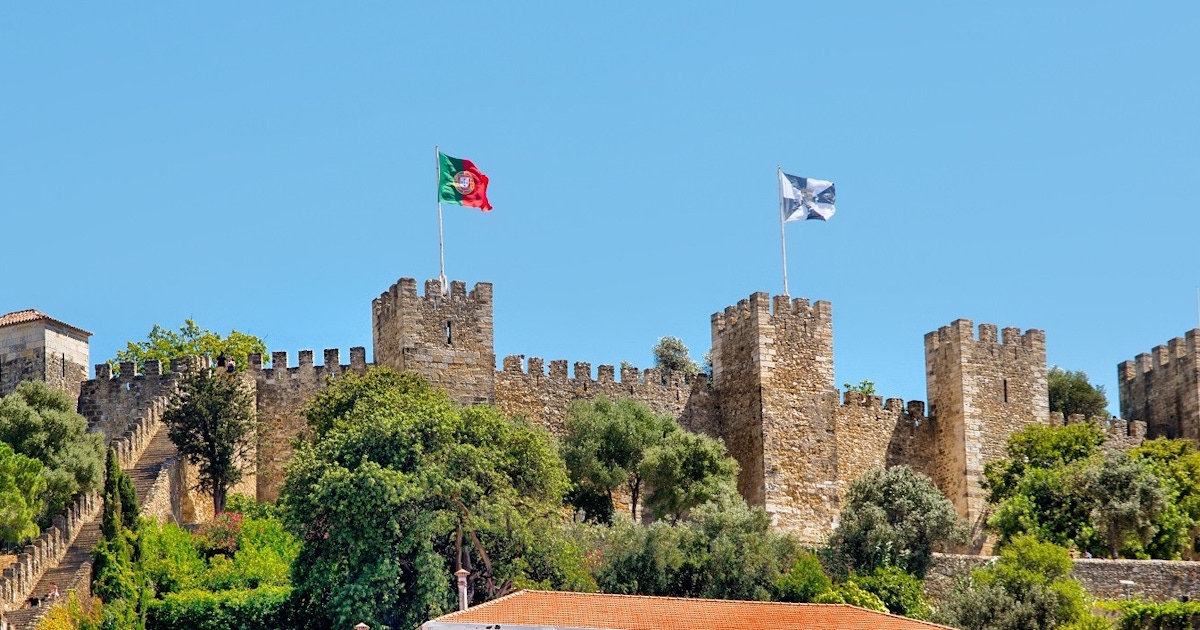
(401, 485)
(210, 419)
(40, 422)
(1071, 393)
(893, 517)
(671, 356)
(191, 340)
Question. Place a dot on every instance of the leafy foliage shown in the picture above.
(1128, 499)
(804, 581)
(21, 487)
(266, 608)
(684, 471)
(671, 356)
(191, 340)
(41, 423)
(893, 517)
(1142, 615)
(74, 615)
(1071, 393)
(1029, 588)
(1176, 463)
(377, 501)
(850, 592)
(725, 550)
(865, 387)
(211, 421)
(899, 591)
(605, 444)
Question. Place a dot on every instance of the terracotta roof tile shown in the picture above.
(33, 315)
(632, 612)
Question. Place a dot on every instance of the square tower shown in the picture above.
(773, 373)
(35, 346)
(447, 338)
(1162, 389)
(980, 392)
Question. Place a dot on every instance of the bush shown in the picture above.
(850, 593)
(899, 591)
(1140, 615)
(804, 581)
(262, 608)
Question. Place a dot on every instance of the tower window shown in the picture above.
(1005, 381)
(449, 339)
(64, 364)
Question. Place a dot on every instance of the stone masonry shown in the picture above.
(34, 345)
(1162, 389)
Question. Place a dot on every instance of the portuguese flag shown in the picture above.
(461, 182)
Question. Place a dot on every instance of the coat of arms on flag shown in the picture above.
(802, 198)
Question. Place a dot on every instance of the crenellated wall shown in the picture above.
(280, 392)
(111, 403)
(1162, 389)
(544, 397)
(445, 337)
(981, 390)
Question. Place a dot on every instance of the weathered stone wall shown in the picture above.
(980, 392)
(1157, 580)
(448, 339)
(1162, 389)
(46, 551)
(544, 397)
(871, 433)
(111, 403)
(280, 393)
(43, 350)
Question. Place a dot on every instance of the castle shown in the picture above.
(771, 396)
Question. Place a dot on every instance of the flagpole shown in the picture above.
(782, 240)
(437, 161)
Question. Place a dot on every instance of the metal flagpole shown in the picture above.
(437, 160)
(782, 240)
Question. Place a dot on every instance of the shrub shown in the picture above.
(262, 608)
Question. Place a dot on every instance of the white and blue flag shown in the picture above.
(802, 198)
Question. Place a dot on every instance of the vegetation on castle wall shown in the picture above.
(379, 498)
(671, 356)
(1071, 393)
(190, 340)
(40, 423)
(211, 421)
(1058, 485)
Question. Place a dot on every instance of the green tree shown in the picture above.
(1071, 393)
(1177, 464)
(893, 517)
(671, 356)
(1029, 588)
(1040, 446)
(865, 387)
(21, 487)
(210, 419)
(804, 581)
(190, 340)
(899, 591)
(1128, 500)
(378, 502)
(686, 470)
(605, 444)
(41, 423)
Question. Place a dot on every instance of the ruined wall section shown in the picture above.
(545, 397)
(280, 392)
(980, 391)
(447, 338)
(1162, 389)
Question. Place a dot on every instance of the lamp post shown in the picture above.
(1128, 584)
(462, 574)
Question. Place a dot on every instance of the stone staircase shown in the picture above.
(74, 570)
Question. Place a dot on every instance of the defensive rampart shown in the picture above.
(1162, 389)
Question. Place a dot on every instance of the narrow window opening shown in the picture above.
(1005, 390)
(64, 364)
(449, 338)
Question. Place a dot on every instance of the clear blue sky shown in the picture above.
(270, 168)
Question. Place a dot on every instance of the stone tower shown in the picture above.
(773, 373)
(980, 392)
(1162, 389)
(35, 346)
(447, 338)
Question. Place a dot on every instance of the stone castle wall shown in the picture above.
(43, 350)
(447, 338)
(112, 403)
(980, 391)
(1162, 389)
(280, 392)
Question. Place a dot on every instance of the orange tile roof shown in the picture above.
(33, 315)
(633, 612)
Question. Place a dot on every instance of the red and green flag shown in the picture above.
(461, 182)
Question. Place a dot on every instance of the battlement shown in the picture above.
(1162, 388)
(779, 308)
(1177, 349)
(582, 372)
(150, 368)
(962, 332)
(852, 398)
(332, 364)
(405, 291)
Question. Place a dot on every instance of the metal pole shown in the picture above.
(1198, 306)
(782, 240)
(437, 160)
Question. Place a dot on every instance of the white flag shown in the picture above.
(801, 198)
